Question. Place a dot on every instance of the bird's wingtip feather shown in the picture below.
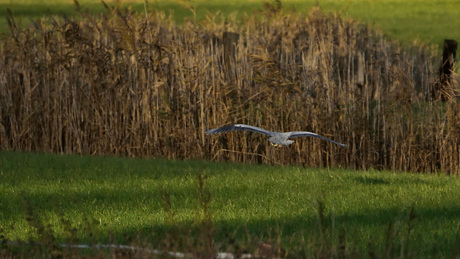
(209, 132)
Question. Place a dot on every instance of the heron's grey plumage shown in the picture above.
(277, 138)
(240, 127)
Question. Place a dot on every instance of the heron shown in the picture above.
(277, 139)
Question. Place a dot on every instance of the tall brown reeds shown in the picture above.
(135, 85)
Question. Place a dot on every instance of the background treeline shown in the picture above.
(139, 85)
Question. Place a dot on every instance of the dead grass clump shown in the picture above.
(139, 85)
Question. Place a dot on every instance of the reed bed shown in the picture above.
(132, 84)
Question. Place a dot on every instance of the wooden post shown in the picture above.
(360, 78)
(230, 40)
(444, 89)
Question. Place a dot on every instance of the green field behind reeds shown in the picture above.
(405, 21)
(161, 204)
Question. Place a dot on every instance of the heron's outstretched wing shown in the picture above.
(311, 134)
(239, 127)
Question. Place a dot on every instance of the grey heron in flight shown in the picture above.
(277, 139)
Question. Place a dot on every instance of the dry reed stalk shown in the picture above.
(139, 85)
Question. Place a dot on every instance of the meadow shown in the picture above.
(185, 205)
(407, 22)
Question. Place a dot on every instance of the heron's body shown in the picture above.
(278, 139)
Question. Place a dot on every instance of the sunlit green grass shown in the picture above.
(125, 198)
(405, 21)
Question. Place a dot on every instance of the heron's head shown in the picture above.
(276, 145)
(279, 142)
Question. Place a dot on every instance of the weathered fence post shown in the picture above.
(230, 40)
(444, 89)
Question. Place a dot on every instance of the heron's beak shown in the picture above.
(276, 145)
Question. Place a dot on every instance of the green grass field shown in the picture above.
(405, 21)
(181, 205)
(141, 199)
